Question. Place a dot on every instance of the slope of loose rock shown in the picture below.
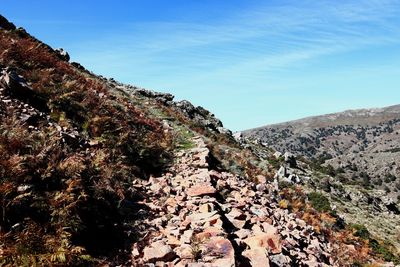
(205, 217)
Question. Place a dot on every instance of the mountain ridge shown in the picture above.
(356, 150)
(331, 116)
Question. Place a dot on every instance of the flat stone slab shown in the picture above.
(201, 190)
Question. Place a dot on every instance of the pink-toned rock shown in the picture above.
(257, 256)
(200, 176)
(221, 184)
(289, 242)
(312, 263)
(185, 251)
(185, 223)
(215, 174)
(256, 229)
(261, 187)
(214, 222)
(236, 214)
(247, 192)
(222, 250)
(187, 237)
(158, 251)
(208, 207)
(243, 233)
(237, 218)
(270, 241)
(157, 184)
(261, 179)
(202, 216)
(301, 223)
(200, 163)
(171, 201)
(239, 224)
(173, 241)
(273, 238)
(135, 251)
(208, 233)
(201, 190)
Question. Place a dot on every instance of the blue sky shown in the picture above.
(250, 62)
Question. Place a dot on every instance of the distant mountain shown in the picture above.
(353, 156)
(362, 117)
(361, 145)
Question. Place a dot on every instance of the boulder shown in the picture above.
(221, 249)
(243, 233)
(201, 190)
(17, 87)
(293, 178)
(202, 217)
(280, 260)
(158, 251)
(187, 237)
(277, 154)
(257, 257)
(268, 239)
(238, 136)
(261, 187)
(62, 54)
(237, 218)
(281, 173)
(209, 232)
(224, 130)
(207, 207)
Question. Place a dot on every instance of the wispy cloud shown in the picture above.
(249, 50)
(265, 38)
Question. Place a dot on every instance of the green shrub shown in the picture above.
(319, 202)
(361, 231)
(382, 249)
(275, 162)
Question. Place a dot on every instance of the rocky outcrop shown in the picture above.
(19, 89)
(198, 114)
(162, 97)
(62, 54)
(205, 217)
(202, 116)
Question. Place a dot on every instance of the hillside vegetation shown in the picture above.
(94, 172)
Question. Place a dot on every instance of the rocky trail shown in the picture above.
(205, 217)
(200, 216)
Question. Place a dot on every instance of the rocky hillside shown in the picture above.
(94, 172)
(352, 157)
(358, 146)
